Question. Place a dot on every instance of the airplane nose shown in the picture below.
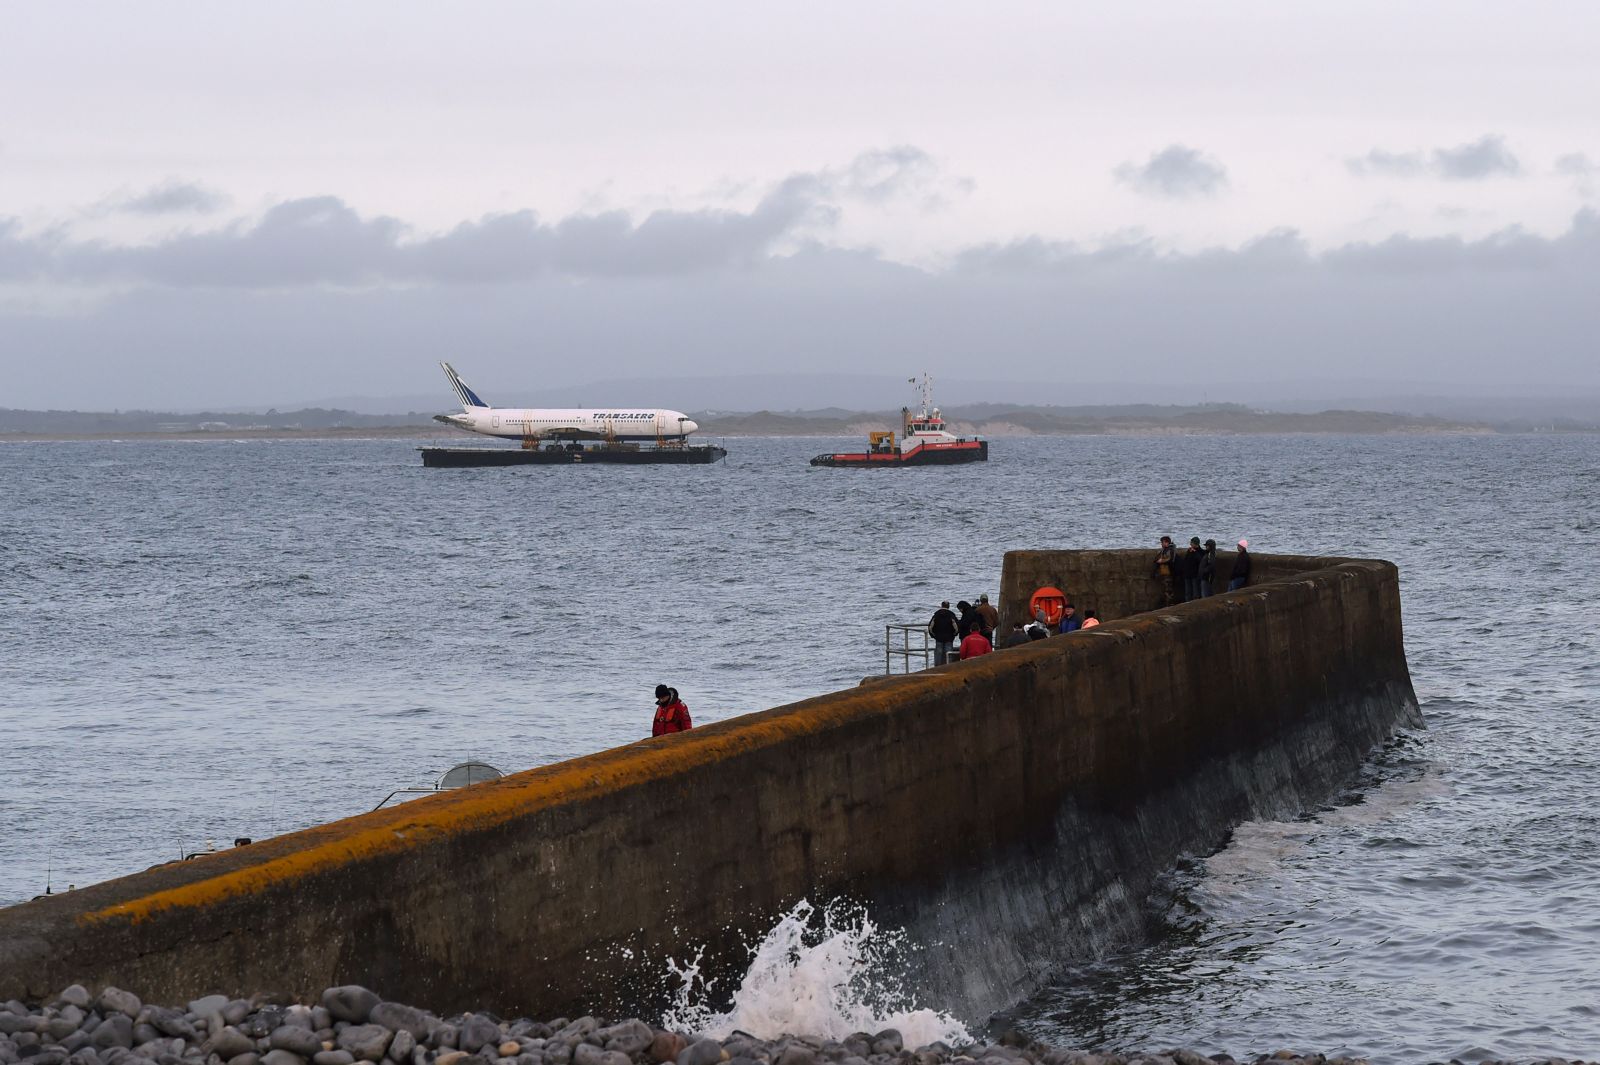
(690, 425)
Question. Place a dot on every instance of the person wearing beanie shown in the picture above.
(1241, 567)
(671, 714)
(987, 615)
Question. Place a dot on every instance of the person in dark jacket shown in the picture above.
(1191, 569)
(1241, 567)
(1208, 568)
(1070, 621)
(942, 630)
(671, 714)
(968, 621)
(1018, 637)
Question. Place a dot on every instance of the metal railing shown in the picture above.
(907, 650)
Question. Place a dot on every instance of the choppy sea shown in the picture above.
(200, 641)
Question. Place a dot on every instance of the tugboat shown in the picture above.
(924, 442)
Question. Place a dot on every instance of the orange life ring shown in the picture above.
(1052, 601)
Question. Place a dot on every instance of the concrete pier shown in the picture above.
(1011, 812)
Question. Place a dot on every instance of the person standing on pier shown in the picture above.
(989, 616)
(1241, 567)
(942, 630)
(671, 714)
(1208, 569)
(1069, 619)
(1192, 559)
(1166, 562)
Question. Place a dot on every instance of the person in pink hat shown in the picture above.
(1241, 567)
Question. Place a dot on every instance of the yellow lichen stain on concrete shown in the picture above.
(304, 854)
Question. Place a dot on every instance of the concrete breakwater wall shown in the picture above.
(1011, 812)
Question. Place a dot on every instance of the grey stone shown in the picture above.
(299, 1017)
(209, 1004)
(236, 1011)
(75, 1041)
(419, 1056)
(628, 1038)
(365, 1041)
(49, 1056)
(705, 1052)
(294, 1039)
(250, 1058)
(795, 1054)
(478, 1031)
(228, 1043)
(400, 1018)
(170, 1022)
(84, 1056)
(11, 1024)
(587, 1054)
(282, 1057)
(351, 1002)
(333, 1057)
(401, 1046)
(143, 1032)
(58, 1028)
(557, 1053)
(75, 995)
(573, 1032)
(443, 1037)
(321, 1018)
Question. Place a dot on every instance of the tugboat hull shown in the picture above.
(925, 455)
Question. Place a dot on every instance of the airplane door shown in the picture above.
(495, 419)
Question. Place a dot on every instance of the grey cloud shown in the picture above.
(1485, 157)
(1286, 251)
(173, 197)
(1176, 172)
(1577, 165)
(1511, 308)
(1584, 172)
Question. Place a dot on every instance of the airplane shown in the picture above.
(571, 423)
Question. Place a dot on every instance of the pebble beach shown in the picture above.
(351, 1024)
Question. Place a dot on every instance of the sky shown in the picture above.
(213, 205)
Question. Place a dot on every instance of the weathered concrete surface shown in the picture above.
(1011, 812)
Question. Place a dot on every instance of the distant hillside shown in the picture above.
(997, 419)
(73, 422)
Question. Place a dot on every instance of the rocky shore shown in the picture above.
(351, 1025)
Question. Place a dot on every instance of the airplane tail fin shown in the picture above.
(469, 398)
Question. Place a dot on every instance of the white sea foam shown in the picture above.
(825, 972)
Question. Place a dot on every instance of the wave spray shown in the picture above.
(828, 972)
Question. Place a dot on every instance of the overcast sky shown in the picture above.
(209, 204)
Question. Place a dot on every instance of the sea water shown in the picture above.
(210, 640)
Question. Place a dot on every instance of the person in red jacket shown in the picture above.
(975, 644)
(671, 714)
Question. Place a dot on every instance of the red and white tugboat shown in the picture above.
(924, 442)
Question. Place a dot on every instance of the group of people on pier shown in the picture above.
(969, 630)
(1197, 569)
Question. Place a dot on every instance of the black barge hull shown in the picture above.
(460, 457)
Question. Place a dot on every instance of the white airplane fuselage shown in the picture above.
(619, 423)
(569, 423)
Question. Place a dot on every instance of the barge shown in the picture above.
(573, 455)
